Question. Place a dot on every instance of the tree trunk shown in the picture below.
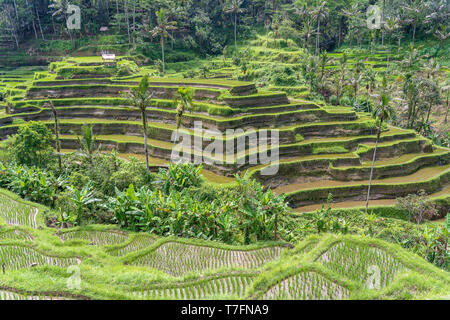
(235, 33)
(340, 32)
(117, 10)
(32, 19)
(389, 54)
(446, 113)
(162, 54)
(429, 111)
(382, 22)
(414, 32)
(58, 144)
(373, 163)
(144, 123)
(318, 36)
(128, 21)
(39, 23)
(275, 228)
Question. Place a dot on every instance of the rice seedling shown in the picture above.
(12, 295)
(16, 257)
(224, 286)
(16, 213)
(95, 237)
(371, 265)
(307, 285)
(15, 234)
(178, 258)
(138, 243)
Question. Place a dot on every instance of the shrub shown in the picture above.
(418, 206)
(32, 145)
(333, 100)
(132, 171)
(178, 177)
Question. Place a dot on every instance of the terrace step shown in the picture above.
(430, 179)
(168, 116)
(399, 166)
(362, 204)
(393, 148)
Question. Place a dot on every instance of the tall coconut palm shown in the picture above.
(442, 35)
(390, 26)
(61, 8)
(140, 98)
(340, 77)
(383, 113)
(162, 30)
(415, 13)
(383, 22)
(320, 12)
(307, 31)
(411, 96)
(185, 96)
(234, 7)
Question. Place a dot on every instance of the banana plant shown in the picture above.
(81, 199)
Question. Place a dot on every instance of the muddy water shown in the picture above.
(420, 175)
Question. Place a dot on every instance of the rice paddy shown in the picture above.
(15, 257)
(98, 238)
(178, 258)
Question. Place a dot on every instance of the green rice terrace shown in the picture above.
(323, 150)
(290, 153)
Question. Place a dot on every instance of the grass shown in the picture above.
(143, 266)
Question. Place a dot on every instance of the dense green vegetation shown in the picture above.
(357, 207)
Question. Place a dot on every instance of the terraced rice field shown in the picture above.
(15, 234)
(13, 295)
(15, 257)
(232, 286)
(306, 286)
(373, 266)
(15, 213)
(333, 143)
(139, 242)
(99, 238)
(194, 270)
(178, 258)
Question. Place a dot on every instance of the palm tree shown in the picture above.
(352, 15)
(414, 11)
(324, 60)
(87, 143)
(442, 35)
(357, 77)
(234, 7)
(320, 12)
(446, 89)
(61, 7)
(390, 26)
(429, 95)
(383, 22)
(162, 30)
(185, 103)
(140, 98)
(339, 77)
(383, 113)
(307, 31)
